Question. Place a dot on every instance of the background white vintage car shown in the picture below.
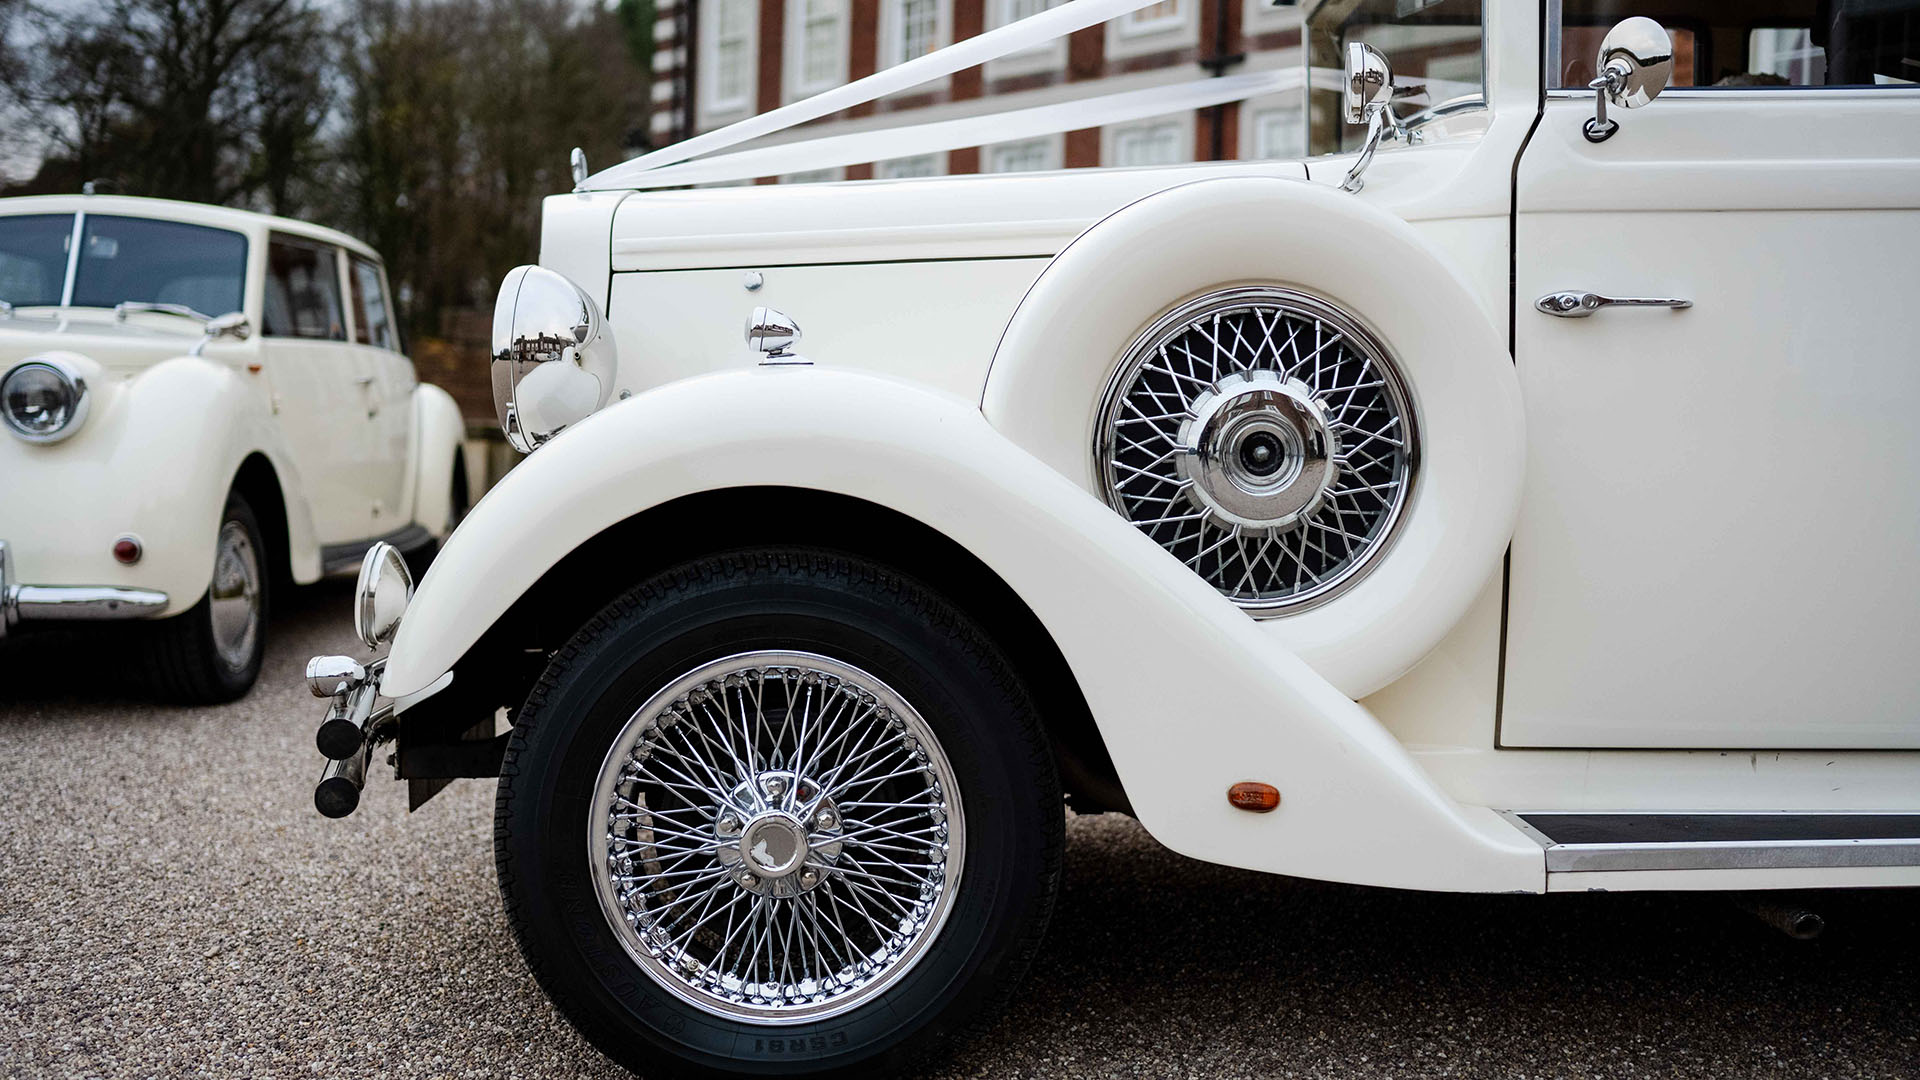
(200, 405)
(1529, 506)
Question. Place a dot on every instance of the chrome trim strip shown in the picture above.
(1721, 855)
(1761, 855)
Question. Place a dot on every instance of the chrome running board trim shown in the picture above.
(1746, 840)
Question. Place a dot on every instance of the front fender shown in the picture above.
(1189, 695)
(156, 458)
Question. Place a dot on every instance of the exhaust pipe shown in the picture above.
(338, 792)
(1785, 914)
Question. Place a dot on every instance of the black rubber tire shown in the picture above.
(821, 602)
(179, 662)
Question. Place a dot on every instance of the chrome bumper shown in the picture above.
(69, 603)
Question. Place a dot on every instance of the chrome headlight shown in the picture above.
(553, 359)
(382, 596)
(44, 398)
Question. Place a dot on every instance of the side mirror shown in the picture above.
(1365, 92)
(1635, 64)
(233, 325)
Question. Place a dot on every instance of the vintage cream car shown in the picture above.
(1524, 499)
(200, 405)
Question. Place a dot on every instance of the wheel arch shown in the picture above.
(659, 537)
(257, 482)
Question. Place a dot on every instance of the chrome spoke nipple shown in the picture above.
(747, 879)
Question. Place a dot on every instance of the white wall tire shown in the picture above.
(1062, 346)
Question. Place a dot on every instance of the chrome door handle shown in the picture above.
(1579, 305)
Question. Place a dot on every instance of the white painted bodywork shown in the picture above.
(167, 431)
(964, 328)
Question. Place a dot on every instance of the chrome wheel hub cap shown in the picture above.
(771, 850)
(776, 837)
(1258, 451)
(233, 599)
(1264, 438)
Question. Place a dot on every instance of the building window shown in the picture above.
(908, 167)
(1280, 133)
(815, 176)
(1027, 155)
(1157, 142)
(1167, 26)
(911, 29)
(731, 27)
(816, 45)
(1046, 56)
(1152, 19)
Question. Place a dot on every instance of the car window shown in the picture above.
(303, 292)
(141, 260)
(1738, 43)
(372, 315)
(33, 257)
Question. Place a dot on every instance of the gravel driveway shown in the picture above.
(170, 904)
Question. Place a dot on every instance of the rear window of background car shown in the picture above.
(303, 292)
(372, 318)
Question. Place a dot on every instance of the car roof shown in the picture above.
(176, 210)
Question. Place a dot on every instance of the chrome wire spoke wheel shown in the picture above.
(233, 599)
(776, 837)
(1265, 439)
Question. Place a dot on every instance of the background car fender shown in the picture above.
(156, 458)
(1063, 343)
(437, 432)
(1189, 694)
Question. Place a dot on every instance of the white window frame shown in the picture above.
(712, 108)
(794, 63)
(1050, 56)
(1182, 124)
(1054, 153)
(891, 53)
(1126, 38)
(883, 170)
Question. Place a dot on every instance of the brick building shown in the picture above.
(718, 61)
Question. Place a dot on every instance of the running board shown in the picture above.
(1720, 840)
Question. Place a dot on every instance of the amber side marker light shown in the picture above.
(1253, 796)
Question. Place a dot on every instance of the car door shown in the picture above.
(389, 466)
(1720, 541)
(316, 378)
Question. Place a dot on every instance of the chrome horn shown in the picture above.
(1635, 64)
(1365, 94)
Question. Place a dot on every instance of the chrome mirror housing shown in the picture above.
(233, 324)
(553, 357)
(1365, 94)
(381, 596)
(1368, 83)
(1635, 63)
